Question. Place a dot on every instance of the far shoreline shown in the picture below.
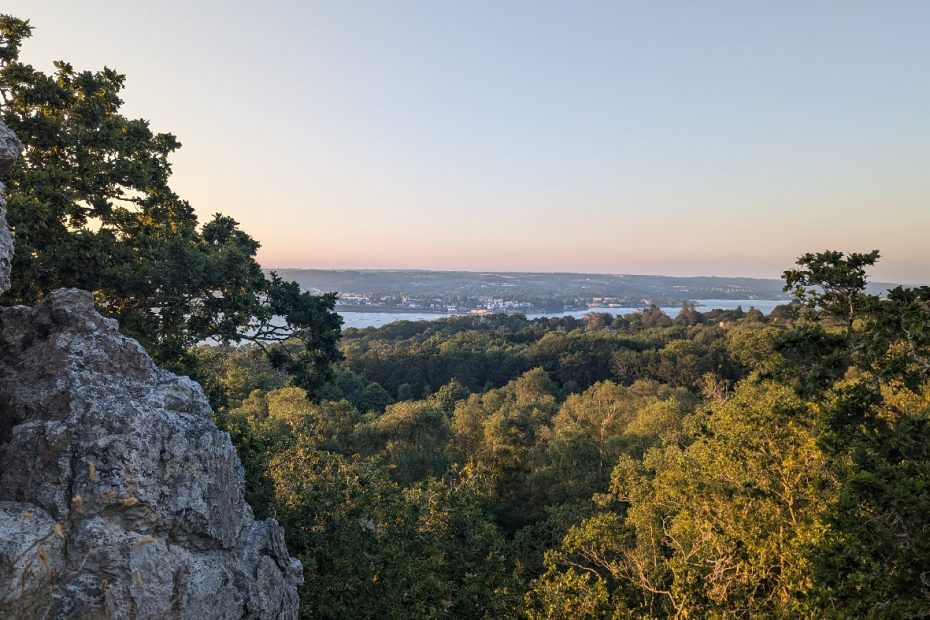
(406, 310)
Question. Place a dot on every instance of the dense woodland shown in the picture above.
(718, 464)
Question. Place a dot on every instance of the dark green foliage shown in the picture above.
(783, 313)
(689, 316)
(357, 537)
(233, 373)
(810, 357)
(896, 342)
(875, 558)
(752, 468)
(448, 395)
(500, 435)
(412, 438)
(371, 549)
(832, 283)
(254, 445)
(487, 352)
(374, 398)
(654, 317)
(91, 207)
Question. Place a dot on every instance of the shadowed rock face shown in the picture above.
(10, 148)
(119, 497)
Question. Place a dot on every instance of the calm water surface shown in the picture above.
(377, 319)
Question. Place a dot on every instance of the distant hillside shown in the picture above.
(630, 288)
(466, 291)
(633, 289)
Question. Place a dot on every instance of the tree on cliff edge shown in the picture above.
(90, 206)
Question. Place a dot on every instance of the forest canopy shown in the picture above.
(723, 463)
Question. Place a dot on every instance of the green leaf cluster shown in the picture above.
(90, 205)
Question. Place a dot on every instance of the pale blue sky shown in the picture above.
(681, 138)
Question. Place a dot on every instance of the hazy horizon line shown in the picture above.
(569, 273)
(492, 271)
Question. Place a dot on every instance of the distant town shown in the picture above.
(461, 292)
(371, 302)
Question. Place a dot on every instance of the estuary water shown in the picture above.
(377, 319)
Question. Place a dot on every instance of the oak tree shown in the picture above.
(91, 207)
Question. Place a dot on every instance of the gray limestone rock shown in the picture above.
(10, 148)
(115, 468)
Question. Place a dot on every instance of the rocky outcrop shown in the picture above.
(119, 497)
(10, 148)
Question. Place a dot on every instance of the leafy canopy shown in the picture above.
(91, 207)
(831, 281)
